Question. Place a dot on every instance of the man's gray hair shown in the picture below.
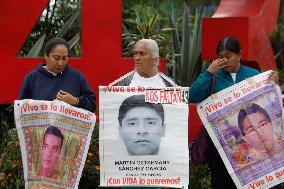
(152, 45)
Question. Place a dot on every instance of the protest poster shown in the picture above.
(54, 138)
(245, 122)
(143, 137)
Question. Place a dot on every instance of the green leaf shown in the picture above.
(176, 46)
(167, 29)
(195, 45)
(68, 24)
(74, 40)
(185, 49)
(153, 20)
(35, 50)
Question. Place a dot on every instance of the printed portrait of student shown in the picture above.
(226, 70)
(141, 125)
(50, 152)
(258, 131)
(54, 79)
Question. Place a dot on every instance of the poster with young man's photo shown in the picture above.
(54, 138)
(245, 122)
(143, 137)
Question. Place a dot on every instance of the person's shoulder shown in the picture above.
(70, 71)
(36, 71)
(169, 82)
(249, 70)
(125, 79)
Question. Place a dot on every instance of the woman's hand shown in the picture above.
(67, 97)
(216, 65)
(274, 76)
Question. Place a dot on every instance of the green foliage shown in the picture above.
(178, 35)
(5, 121)
(91, 172)
(11, 169)
(186, 53)
(200, 177)
(146, 24)
(60, 18)
(35, 50)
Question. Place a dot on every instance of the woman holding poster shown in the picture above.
(227, 70)
(56, 80)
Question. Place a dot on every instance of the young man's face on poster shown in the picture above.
(50, 154)
(141, 130)
(258, 131)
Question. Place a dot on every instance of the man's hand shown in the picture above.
(216, 65)
(66, 97)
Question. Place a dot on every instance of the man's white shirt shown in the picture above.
(154, 82)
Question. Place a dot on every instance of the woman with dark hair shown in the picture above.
(227, 70)
(56, 80)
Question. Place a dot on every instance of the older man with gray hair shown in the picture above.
(146, 58)
(145, 74)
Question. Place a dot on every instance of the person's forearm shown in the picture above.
(87, 103)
